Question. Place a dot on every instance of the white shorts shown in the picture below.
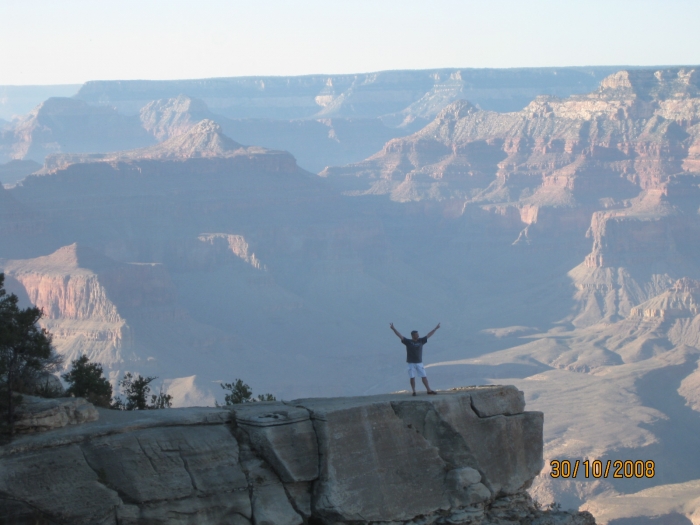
(416, 369)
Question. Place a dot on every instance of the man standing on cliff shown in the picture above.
(414, 356)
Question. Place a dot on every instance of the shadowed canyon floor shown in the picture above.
(558, 246)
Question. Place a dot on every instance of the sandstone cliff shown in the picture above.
(462, 457)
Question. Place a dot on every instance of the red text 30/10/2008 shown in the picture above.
(598, 469)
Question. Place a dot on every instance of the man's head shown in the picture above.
(414, 335)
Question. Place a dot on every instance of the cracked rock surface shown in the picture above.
(464, 456)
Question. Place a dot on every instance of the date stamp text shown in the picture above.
(617, 468)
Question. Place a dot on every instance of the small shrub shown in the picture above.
(240, 392)
(136, 390)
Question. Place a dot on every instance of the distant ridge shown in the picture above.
(402, 93)
(203, 140)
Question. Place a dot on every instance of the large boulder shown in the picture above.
(395, 457)
(36, 414)
(505, 443)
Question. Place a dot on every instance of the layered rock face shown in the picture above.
(617, 163)
(465, 456)
(70, 125)
(632, 133)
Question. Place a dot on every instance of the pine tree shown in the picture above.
(87, 380)
(25, 350)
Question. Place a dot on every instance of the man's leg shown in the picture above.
(427, 386)
(411, 368)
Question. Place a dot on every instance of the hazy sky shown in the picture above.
(71, 41)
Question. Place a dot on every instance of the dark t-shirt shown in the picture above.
(414, 349)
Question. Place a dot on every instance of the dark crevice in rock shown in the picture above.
(293, 503)
(102, 479)
(236, 433)
(471, 403)
(320, 465)
(189, 473)
(148, 457)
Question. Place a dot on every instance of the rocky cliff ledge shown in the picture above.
(464, 456)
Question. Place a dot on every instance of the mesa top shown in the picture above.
(414, 349)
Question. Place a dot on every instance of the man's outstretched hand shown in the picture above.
(391, 325)
(433, 330)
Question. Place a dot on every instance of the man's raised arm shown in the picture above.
(391, 325)
(433, 331)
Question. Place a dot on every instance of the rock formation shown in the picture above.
(465, 456)
(167, 118)
(323, 120)
(40, 415)
(315, 143)
(70, 125)
(631, 134)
